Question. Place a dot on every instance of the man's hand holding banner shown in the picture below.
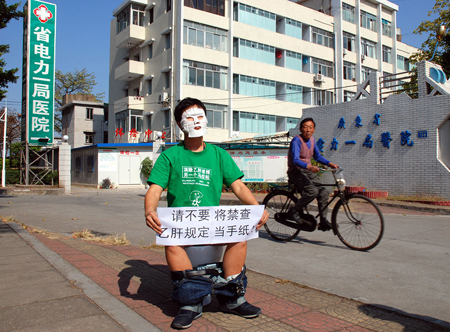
(208, 224)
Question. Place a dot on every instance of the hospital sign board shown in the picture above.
(39, 72)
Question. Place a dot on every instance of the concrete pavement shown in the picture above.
(52, 282)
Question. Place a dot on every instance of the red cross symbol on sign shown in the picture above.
(42, 13)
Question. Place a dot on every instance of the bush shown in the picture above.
(12, 176)
(146, 167)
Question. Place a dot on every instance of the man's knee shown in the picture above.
(310, 192)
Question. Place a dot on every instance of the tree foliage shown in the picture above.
(12, 127)
(7, 13)
(76, 82)
(430, 27)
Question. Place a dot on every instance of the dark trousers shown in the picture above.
(310, 188)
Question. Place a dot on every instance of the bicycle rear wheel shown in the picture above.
(277, 204)
(358, 222)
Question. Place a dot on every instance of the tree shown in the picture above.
(442, 55)
(77, 82)
(7, 13)
(13, 126)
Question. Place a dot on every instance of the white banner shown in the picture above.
(208, 224)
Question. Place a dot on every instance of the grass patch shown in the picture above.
(114, 240)
(7, 219)
(153, 246)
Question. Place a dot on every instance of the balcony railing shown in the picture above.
(131, 36)
(129, 70)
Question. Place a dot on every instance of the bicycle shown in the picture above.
(356, 219)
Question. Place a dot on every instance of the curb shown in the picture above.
(118, 311)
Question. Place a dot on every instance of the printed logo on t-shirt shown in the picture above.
(196, 175)
(195, 197)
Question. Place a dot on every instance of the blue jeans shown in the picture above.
(191, 291)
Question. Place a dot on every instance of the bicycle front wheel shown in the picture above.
(358, 222)
(277, 204)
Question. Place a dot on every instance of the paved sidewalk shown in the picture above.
(51, 282)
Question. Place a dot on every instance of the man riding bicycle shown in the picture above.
(304, 175)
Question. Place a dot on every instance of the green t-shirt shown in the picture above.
(194, 178)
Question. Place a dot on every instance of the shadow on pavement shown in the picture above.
(155, 285)
(410, 322)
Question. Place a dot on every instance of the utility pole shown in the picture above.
(4, 118)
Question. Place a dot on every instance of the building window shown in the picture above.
(150, 51)
(90, 163)
(323, 97)
(366, 72)
(368, 21)
(151, 14)
(348, 96)
(205, 36)
(349, 41)
(386, 54)
(133, 13)
(136, 120)
(386, 27)
(204, 74)
(322, 67)
(246, 49)
(88, 138)
(293, 28)
(254, 86)
(166, 80)
(216, 115)
(294, 93)
(349, 71)
(122, 120)
(348, 13)
(211, 6)
(403, 63)
(254, 122)
(149, 87)
(168, 5)
(89, 113)
(368, 48)
(254, 16)
(322, 37)
(166, 118)
(294, 60)
(291, 123)
(168, 38)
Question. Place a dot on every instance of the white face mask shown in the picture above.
(200, 121)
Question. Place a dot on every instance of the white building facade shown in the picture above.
(84, 121)
(254, 63)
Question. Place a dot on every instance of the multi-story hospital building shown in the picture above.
(254, 63)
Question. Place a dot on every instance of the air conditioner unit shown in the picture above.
(363, 57)
(163, 97)
(319, 78)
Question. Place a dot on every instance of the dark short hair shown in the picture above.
(306, 120)
(184, 104)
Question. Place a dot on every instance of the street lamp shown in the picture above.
(439, 34)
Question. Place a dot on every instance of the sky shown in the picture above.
(83, 29)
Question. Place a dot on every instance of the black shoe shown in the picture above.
(245, 310)
(184, 318)
(295, 215)
(324, 225)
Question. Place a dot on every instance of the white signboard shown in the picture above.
(208, 224)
